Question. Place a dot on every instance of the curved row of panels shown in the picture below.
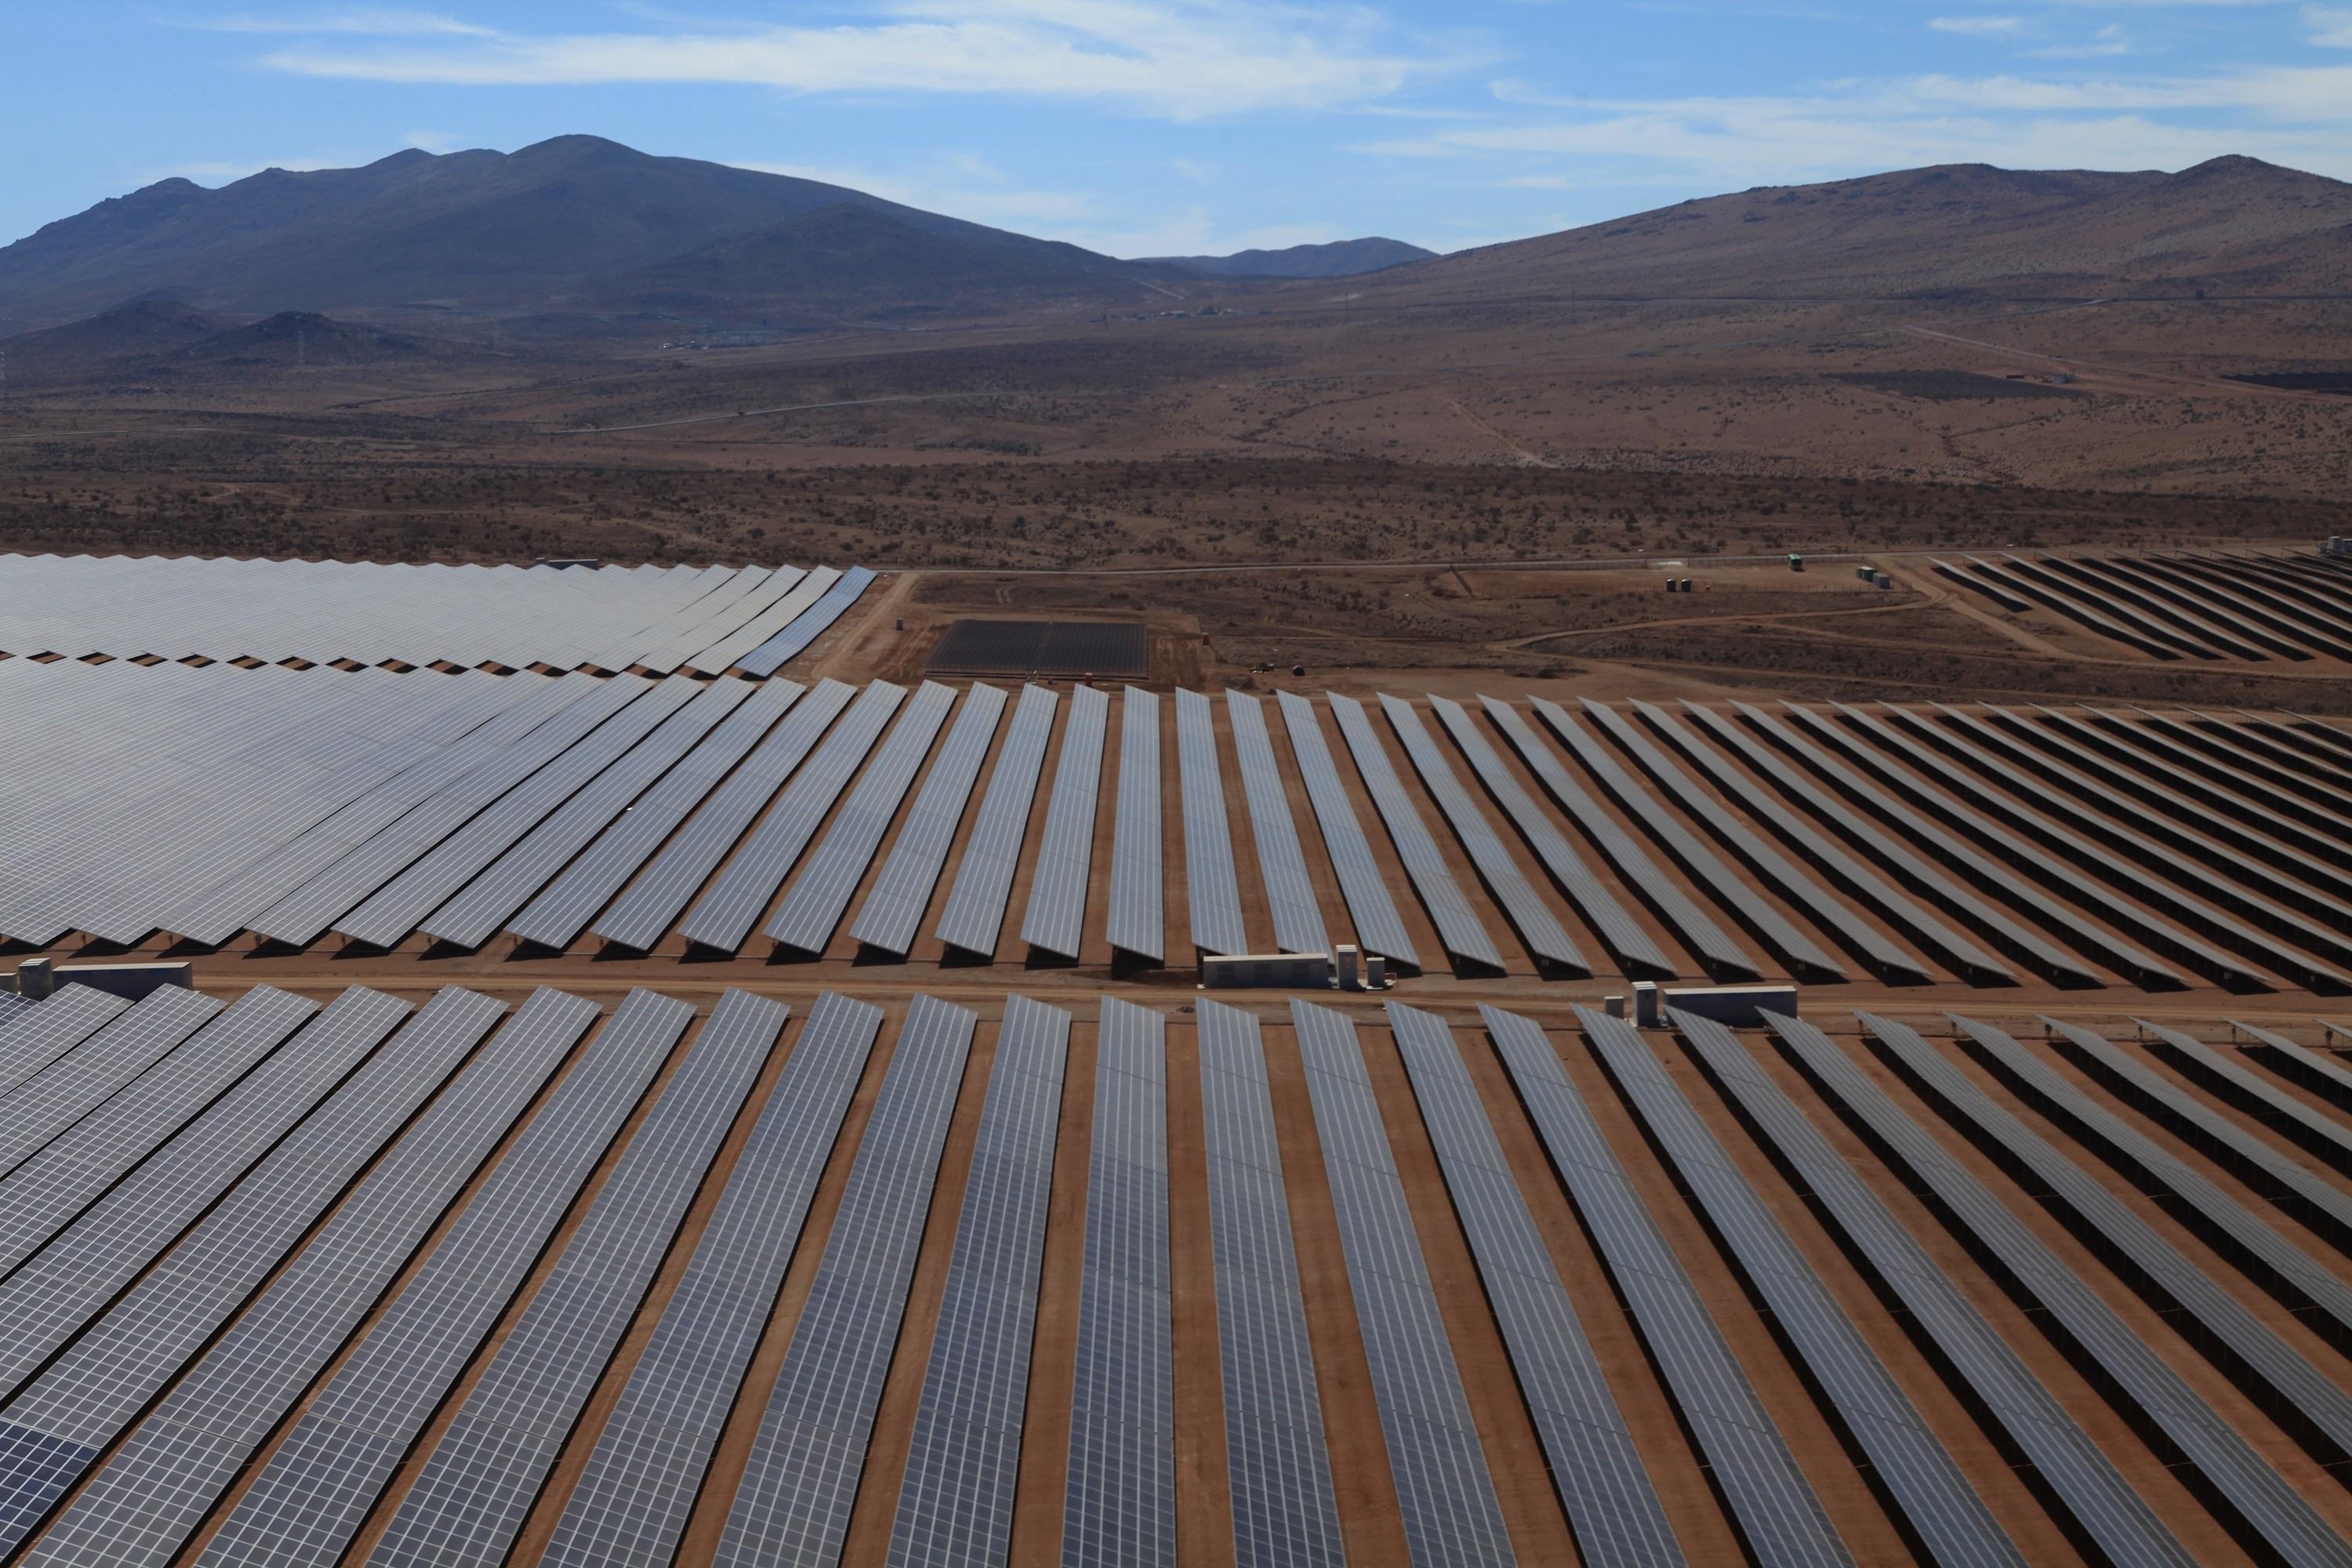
(710, 619)
(1916, 843)
(2231, 605)
(468, 1282)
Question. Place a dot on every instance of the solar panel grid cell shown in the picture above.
(805, 627)
(1447, 1495)
(631, 1503)
(1449, 911)
(902, 890)
(1136, 922)
(805, 1463)
(1361, 882)
(1212, 887)
(1058, 890)
(1612, 1505)
(469, 1501)
(317, 1485)
(955, 1500)
(974, 912)
(1120, 1489)
(1278, 1464)
(2244, 1484)
(1289, 889)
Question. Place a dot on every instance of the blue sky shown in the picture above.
(1144, 127)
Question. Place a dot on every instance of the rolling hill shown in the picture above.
(2232, 225)
(1337, 259)
(553, 226)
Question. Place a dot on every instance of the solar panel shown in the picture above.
(1212, 887)
(101, 1382)
(722, 656)
(2282, 1111)
(83, 1158)
(1966, 957)
(2038, 840)
(735, 901)
(397, 908)
(474, 1493)
(301, 915)
(2103, 1505)
(1289, 890)
(74, 1273)
(1118, 1502)
(1278, 1463)
(807, 626)
(1446, 1495)
(955, 1501)
(1057, 889)
(38, 1033)
(1611, 1507)
(1361, 882)
(974, 912)
(2316, 1070)
(317, 1486)
(1857, 935)
(2303, 1193)
(813, 908)
(893, 909)
(2233, 1230)
(1137, 887)
(1626, 941)
(1449, 911)
(2077, 1318)
(565, 906)
(1893, 853)
(472, 916)
(639, 917)
(809, 1453)
(630, 1504)
(1537, 925)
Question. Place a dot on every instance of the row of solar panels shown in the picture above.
(1911, 842)
(388, 1219)
(709, 620)
(2204, 604)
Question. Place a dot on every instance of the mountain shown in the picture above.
(153, 339)
(543, 228)
(1338, 258)
(2230, 224)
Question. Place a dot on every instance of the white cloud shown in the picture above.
(1179, 58)
(365, 21)
(2331, 26)
(1978, 26)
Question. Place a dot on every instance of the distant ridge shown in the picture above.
(560, 225)
(1337, 259)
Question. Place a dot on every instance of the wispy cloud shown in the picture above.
(363, 21)
(2331, 26)
(1978, 26)
(1179, 58)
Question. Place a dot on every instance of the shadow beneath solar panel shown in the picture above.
(1039, 958)
(954, 957)
(870, 956)
(1126, 965)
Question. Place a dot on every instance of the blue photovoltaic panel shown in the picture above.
(1285, 1512)
(1211, 888)
(733, 905)
(807, 626)
(1361, 882)
(317, 1486)
(810, 910)
(1282, 864)
(1451, 1513)
(631, 1504)
(893, 911)
(1058, 890)
(476, 1491)
(974, 912)
(792, 1507)
(2243, 1481)
(158, 1488)
(1136, 893)
(1611, 1507)
(1457, 927)
(52, 1098)
(1537, 925)
(1118, 1501)
(640, 916)
(38, 1033)
(955, 1502)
